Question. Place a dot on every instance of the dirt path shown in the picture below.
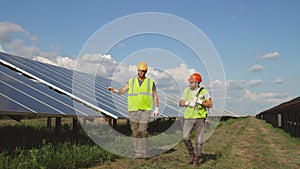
(243, 143)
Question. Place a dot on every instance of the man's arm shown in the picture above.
(155, 98)
(207, 103)
(182, 103)
(121, 91)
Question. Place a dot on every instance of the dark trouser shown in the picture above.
(139, 125)
(188, 125)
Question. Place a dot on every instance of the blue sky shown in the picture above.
(244, 34)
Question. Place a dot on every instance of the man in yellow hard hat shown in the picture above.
(141, 93)
(196, 100)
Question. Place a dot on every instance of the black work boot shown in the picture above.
(192, 156)
(196, 160)
(189, 147)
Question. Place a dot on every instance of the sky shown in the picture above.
(257, 43)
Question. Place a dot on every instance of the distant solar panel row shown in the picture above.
(86, 87)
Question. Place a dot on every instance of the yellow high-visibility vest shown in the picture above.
(194, 112)
(140, 97)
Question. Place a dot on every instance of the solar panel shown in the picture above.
(48, 75)
(86, 87)
(20, 94)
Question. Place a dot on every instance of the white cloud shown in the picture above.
(44, 60)
(57, 61)
(7, 29)
(218, 84)
(121, 44)
(241, 84)
(235, 84)
(123, 72)
(181, 73)
(97, 64)
(96, 58)
(1, 49)
(247, 101)
(266, 97)
(270, 56)
(255, 82)
(255, 68)
(278, 81)
(240, 97)
(237, 89)
(18, 47)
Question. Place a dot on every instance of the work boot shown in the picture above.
(192, 155)
(190, 148)
(196, 160)
(191, 159)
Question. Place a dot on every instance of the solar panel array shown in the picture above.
(24, 95)
(20, 94)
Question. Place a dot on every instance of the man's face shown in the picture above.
(142, 73)
(193, 85)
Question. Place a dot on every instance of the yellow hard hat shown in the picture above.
(142, 66)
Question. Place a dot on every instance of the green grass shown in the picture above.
(66, 155)
(30, 144)
(236, 143)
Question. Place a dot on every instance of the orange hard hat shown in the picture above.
(142, 66)
(195, 77)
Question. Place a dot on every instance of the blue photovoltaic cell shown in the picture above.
(10, 105)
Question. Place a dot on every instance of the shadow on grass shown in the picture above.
(28, 137)
(170, 151)
(208, 157)
(154, 128)
(158, 151)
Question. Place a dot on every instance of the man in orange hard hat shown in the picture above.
(196, 100)
(141, 93)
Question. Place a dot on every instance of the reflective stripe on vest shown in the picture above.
(140, 97)
(192, 113)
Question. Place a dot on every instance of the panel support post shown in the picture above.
(58, 126)
(114, 123)
(75, 125)
(49, 122)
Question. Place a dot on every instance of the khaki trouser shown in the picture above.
(139, 125)
(188, 125)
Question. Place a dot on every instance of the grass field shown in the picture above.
(236, 143)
